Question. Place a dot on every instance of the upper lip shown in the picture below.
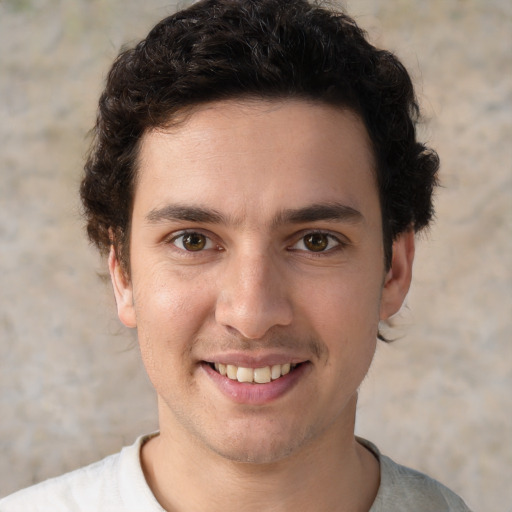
(248, 360)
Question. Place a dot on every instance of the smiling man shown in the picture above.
(257, 184)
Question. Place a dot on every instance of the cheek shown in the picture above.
(170, 313)
(346, 307)
(168, 296)
(345, 317)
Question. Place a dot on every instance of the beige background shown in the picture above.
(71, 387)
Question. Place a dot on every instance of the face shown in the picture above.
(257, 276)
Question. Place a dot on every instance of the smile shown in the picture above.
(262, 375)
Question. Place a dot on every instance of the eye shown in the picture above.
(316, 242)
(192, 242)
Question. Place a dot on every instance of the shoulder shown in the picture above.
(409, 488)
(72, 491)
(108, 485)
(404, 489)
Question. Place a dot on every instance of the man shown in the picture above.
(256, 183)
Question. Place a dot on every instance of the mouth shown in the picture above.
(263, 375)
(256, 381)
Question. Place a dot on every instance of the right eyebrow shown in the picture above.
(184, 213)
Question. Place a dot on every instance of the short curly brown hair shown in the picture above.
(269, 49)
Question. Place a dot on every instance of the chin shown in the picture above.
(259, 454)
(266, 447)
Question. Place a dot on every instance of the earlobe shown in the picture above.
(123, 291)
(398, 278)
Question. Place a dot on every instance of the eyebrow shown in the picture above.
(335, 212)
(186, 213)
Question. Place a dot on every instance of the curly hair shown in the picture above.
(269, 49)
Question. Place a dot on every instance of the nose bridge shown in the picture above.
(253, 296)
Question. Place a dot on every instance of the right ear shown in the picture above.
(123, 290)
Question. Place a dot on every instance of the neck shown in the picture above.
(334, 473)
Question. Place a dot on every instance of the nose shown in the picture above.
(253, 297)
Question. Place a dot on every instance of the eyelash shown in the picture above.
(210, 244)
(182, 234)
(339, 244)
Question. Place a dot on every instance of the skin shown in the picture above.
(243, 176)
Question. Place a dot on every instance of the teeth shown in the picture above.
(231, 371)
(255, 375)
(262, 375)
(244, 374)
(275, 371)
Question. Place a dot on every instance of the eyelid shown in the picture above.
(341, 241)
(171, 239)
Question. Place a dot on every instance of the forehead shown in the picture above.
(253, 156)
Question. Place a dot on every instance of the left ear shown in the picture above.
(398, 278)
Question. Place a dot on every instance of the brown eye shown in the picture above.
(316, 242)
(192, 242)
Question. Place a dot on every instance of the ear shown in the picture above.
(398, 278)
(123, 290)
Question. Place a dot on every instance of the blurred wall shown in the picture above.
(71, 386)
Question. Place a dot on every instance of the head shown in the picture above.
(257, 180)
(239, 49)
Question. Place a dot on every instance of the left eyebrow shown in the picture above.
(335, 212)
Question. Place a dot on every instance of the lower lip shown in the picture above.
(256, 394)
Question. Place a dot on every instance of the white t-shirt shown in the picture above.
(117, 484)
